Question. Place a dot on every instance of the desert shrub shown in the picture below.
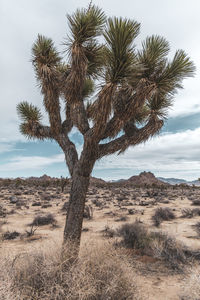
(121, 219)
(162, 214)
(196, 202)
(46, 205)
(10, 235)
(168, 249)
(190, 213)
(97, 202)
(156, 244)
(131, 211)
(187, 213)
(134, 235)
(108, 232)
(3, 211)
(36, 203)
(197, 228)
(43, 220)
(99, 273)
(196, 211)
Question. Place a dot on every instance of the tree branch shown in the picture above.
(126, 104)
(122, 143)
(73, 88)
(35, 130)
(69, 149)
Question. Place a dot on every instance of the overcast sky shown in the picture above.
(175, 153)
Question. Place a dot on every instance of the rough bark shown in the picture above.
(80, 183)
(74, 218)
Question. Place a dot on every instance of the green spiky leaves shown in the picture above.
(159, 105)
(86, 24)
(46, 61)
(31, 117)
(153, 54)
(172, 75)
(119, 55)
(167, 75)
(28, 112)
(44, 52)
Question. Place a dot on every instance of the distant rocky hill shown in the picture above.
(145, 178)
(41, 178)
(93, 180)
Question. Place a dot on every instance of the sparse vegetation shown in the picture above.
(135, 236)
(157, 244)
(43, 220)
(162, 214)
(196, 202)
(154, 254)
(10, 235)
(100, 273)
(190, 213)
(197, 228)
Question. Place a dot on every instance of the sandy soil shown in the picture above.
(109, 205)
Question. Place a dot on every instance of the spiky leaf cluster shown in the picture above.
(86, 24)
(119, 54)
(28, 112)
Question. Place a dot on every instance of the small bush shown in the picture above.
(3, 211)
(197, 228)
(46, 205)
(169, 250)
(134, 236)
(10, 235)
(97, 202)
(187, 213)
(196, 211)
(162, 214)
(43, 220)
(122, 219)
(196, 202)
(156, 244)
(36, 204)
(190, 213)
(108, 232)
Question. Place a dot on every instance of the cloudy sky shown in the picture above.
(175, 153)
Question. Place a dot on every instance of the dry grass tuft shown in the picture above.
(43, 220)
(100, 273)
(156, 244)
(162, 214)
(191, 286)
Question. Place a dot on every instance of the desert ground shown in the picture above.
(107, 209)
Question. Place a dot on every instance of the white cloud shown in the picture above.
(19, 163)
(167, 155)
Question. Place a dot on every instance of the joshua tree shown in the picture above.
(134, 89)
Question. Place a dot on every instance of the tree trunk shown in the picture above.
(74, 219)
(80, 183)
